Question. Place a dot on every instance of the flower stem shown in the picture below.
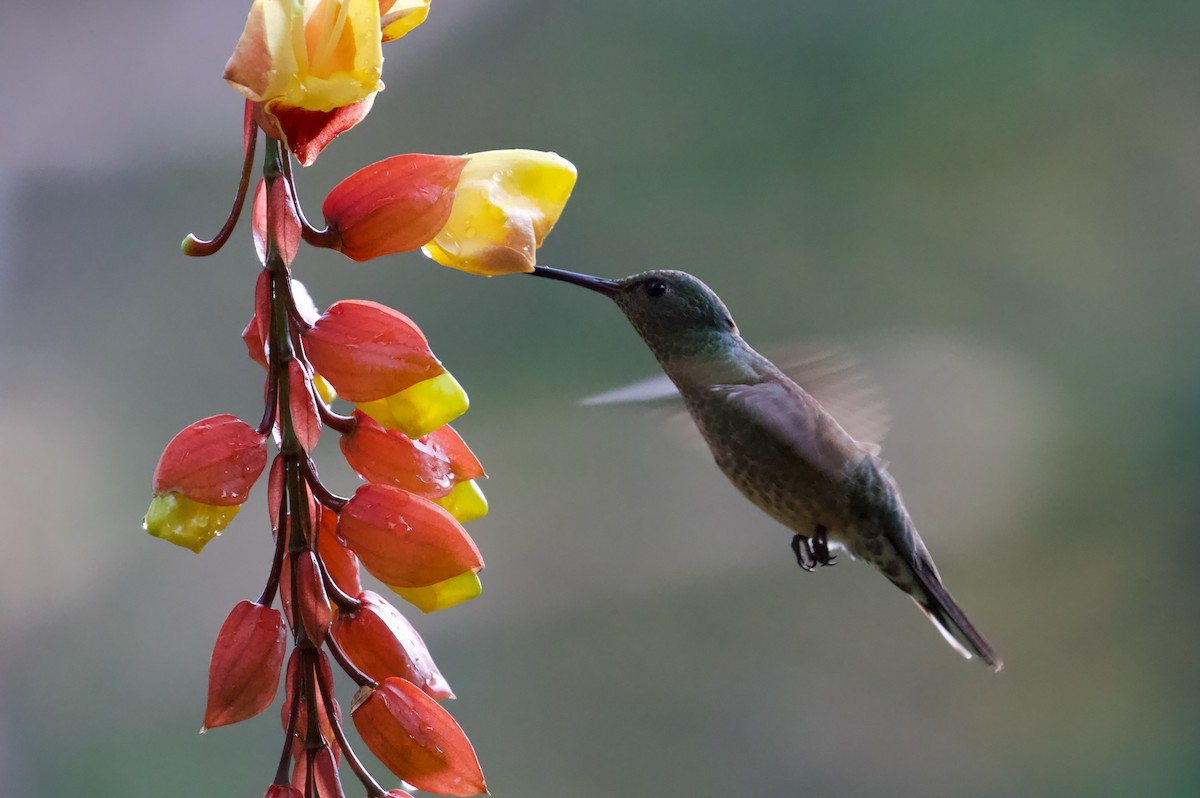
(327, 238)
(343, 425)
(374, 790)
(285, 759)
(268, 595)
(360, 678)
(196, 247)
(322, 493)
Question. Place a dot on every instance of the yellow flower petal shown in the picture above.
(452, 591)
(504, 207)
(317, 55)
(398, 17)
(422, 408)
(465, 501)
(324, 389)
(179, 520)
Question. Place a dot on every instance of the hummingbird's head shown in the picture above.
(671, 310)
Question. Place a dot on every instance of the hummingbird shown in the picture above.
(778, 446)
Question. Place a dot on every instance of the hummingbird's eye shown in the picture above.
(655, 288)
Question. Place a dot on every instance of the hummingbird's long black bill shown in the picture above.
(599, 284)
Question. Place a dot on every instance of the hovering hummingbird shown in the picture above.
(779, 446)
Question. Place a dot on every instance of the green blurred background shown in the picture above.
(995, 205)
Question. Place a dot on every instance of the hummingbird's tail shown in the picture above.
(950, 620)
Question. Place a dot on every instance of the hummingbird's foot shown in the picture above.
(805, 557)
(818, 547)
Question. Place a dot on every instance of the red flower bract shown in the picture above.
(368, 351)
(302, 404)
(244, 673)
(394, 205)
(315, 614)
(340, 563)
(309, 132)
(285, 236)
(418, 740)
(323, 717)
(429, 466)
(382, 643)
(405, 540)
(214, 461)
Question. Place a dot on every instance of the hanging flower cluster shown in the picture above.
(310, 70)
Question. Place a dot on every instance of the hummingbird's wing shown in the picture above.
(830, 377)
(841, 387)
(791, 415)
(653, 389)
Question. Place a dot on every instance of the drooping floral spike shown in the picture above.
(243, 675)
(405, 540)
(416, 739)
(312, 68)
(382, 643)
(395, 205)
(505, 205)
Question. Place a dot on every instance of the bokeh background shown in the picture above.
(994, 205)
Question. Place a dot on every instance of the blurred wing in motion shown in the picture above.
(828, 375)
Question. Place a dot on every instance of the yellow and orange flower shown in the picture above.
(312, 68)
(505, 205)
(485, 213)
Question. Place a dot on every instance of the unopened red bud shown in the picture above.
(404, 539)
(258, 330)
(368, 351)
(283, 791)
(290, 696)
(417, 740)
(284, 221)
(340, 562)
(382, 643)
(303, 406)
(214, 461)
(315, 614)
(326, 782)
(430, 466)
(244, 672)
(395, 205)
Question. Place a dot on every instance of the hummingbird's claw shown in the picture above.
(814, 551)
(819, 547)
(804, 553)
